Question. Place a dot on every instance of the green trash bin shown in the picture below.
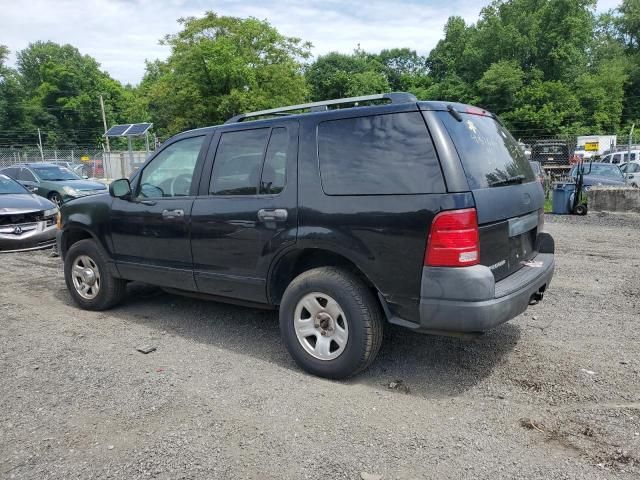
(562, 198)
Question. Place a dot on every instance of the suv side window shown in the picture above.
(170, 173)
(377, 155)
(617, 158)
(250, 162)
(274, 171)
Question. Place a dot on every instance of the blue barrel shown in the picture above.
(562, 198)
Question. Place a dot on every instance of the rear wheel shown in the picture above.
(88, 278)
(330, 323)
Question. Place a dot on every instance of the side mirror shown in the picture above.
(120, 188)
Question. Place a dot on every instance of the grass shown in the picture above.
(547, 204)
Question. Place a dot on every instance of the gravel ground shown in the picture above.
(553, 394)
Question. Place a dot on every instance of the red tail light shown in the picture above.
(453, 241)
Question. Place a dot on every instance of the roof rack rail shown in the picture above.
(394, 97)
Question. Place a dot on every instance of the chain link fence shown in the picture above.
(85, 161)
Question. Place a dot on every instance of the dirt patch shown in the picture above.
(553, 394)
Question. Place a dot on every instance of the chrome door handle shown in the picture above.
(177, 213)
(272, 215)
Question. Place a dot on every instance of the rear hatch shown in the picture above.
(509, 200)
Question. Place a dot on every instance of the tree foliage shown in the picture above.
(220, 66)
(545, 67)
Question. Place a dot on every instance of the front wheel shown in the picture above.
(330, 323)
(88, 279)
(56, 198)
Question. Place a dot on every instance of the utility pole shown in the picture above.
(104, 121)
(626, 175)
(40, 145)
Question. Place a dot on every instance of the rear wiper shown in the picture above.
(454, 113)
(508, 181)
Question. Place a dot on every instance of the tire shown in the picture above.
(55, 198)
(107, 291)
(358, 314)
(581, 209)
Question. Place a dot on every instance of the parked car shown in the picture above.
(53, 182)
(423, 214)
(551, 153)
(27, 222)
(618, 158)
(631, 171)
(599, 174)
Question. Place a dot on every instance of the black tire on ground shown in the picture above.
(362, 311)
(581, 209)
(112, 290)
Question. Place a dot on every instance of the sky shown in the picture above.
(121, 34)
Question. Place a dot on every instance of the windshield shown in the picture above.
(490, 156)
(8, 186)
(630, 167)
(600, 170)
(54, 172)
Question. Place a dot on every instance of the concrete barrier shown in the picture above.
(610, 199)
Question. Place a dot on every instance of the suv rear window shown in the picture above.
(378, 155)
(490, 155)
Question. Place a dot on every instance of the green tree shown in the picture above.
(339, 75)
(62, 89)
(12, 112)
(220, 66)
(499, 85)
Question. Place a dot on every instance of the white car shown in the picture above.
(618, 158)
(633, 168)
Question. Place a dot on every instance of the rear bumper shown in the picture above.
(468, 299)
(511, 297)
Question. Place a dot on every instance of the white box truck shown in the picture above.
(589, 145)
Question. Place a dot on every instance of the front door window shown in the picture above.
(171, 172)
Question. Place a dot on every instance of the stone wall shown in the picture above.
(607, 199)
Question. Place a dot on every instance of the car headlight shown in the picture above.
(70, 191)
(50, 212)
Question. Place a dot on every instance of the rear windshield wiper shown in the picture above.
(516, 179)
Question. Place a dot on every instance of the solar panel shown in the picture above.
(138, 128)
(117, 130)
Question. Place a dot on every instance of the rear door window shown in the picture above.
(274, 173)
(490, 156)
(236, 169)
(378, 155)
(26, 176)
(11, 172)
(250, 162)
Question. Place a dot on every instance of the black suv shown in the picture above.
(423, 214)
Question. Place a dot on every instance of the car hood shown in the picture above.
(79, 184)
(591, 180)
(23, 202)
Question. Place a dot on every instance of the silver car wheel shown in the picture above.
(321, 326)
(86, 277)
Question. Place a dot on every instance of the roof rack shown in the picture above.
(393, 97)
